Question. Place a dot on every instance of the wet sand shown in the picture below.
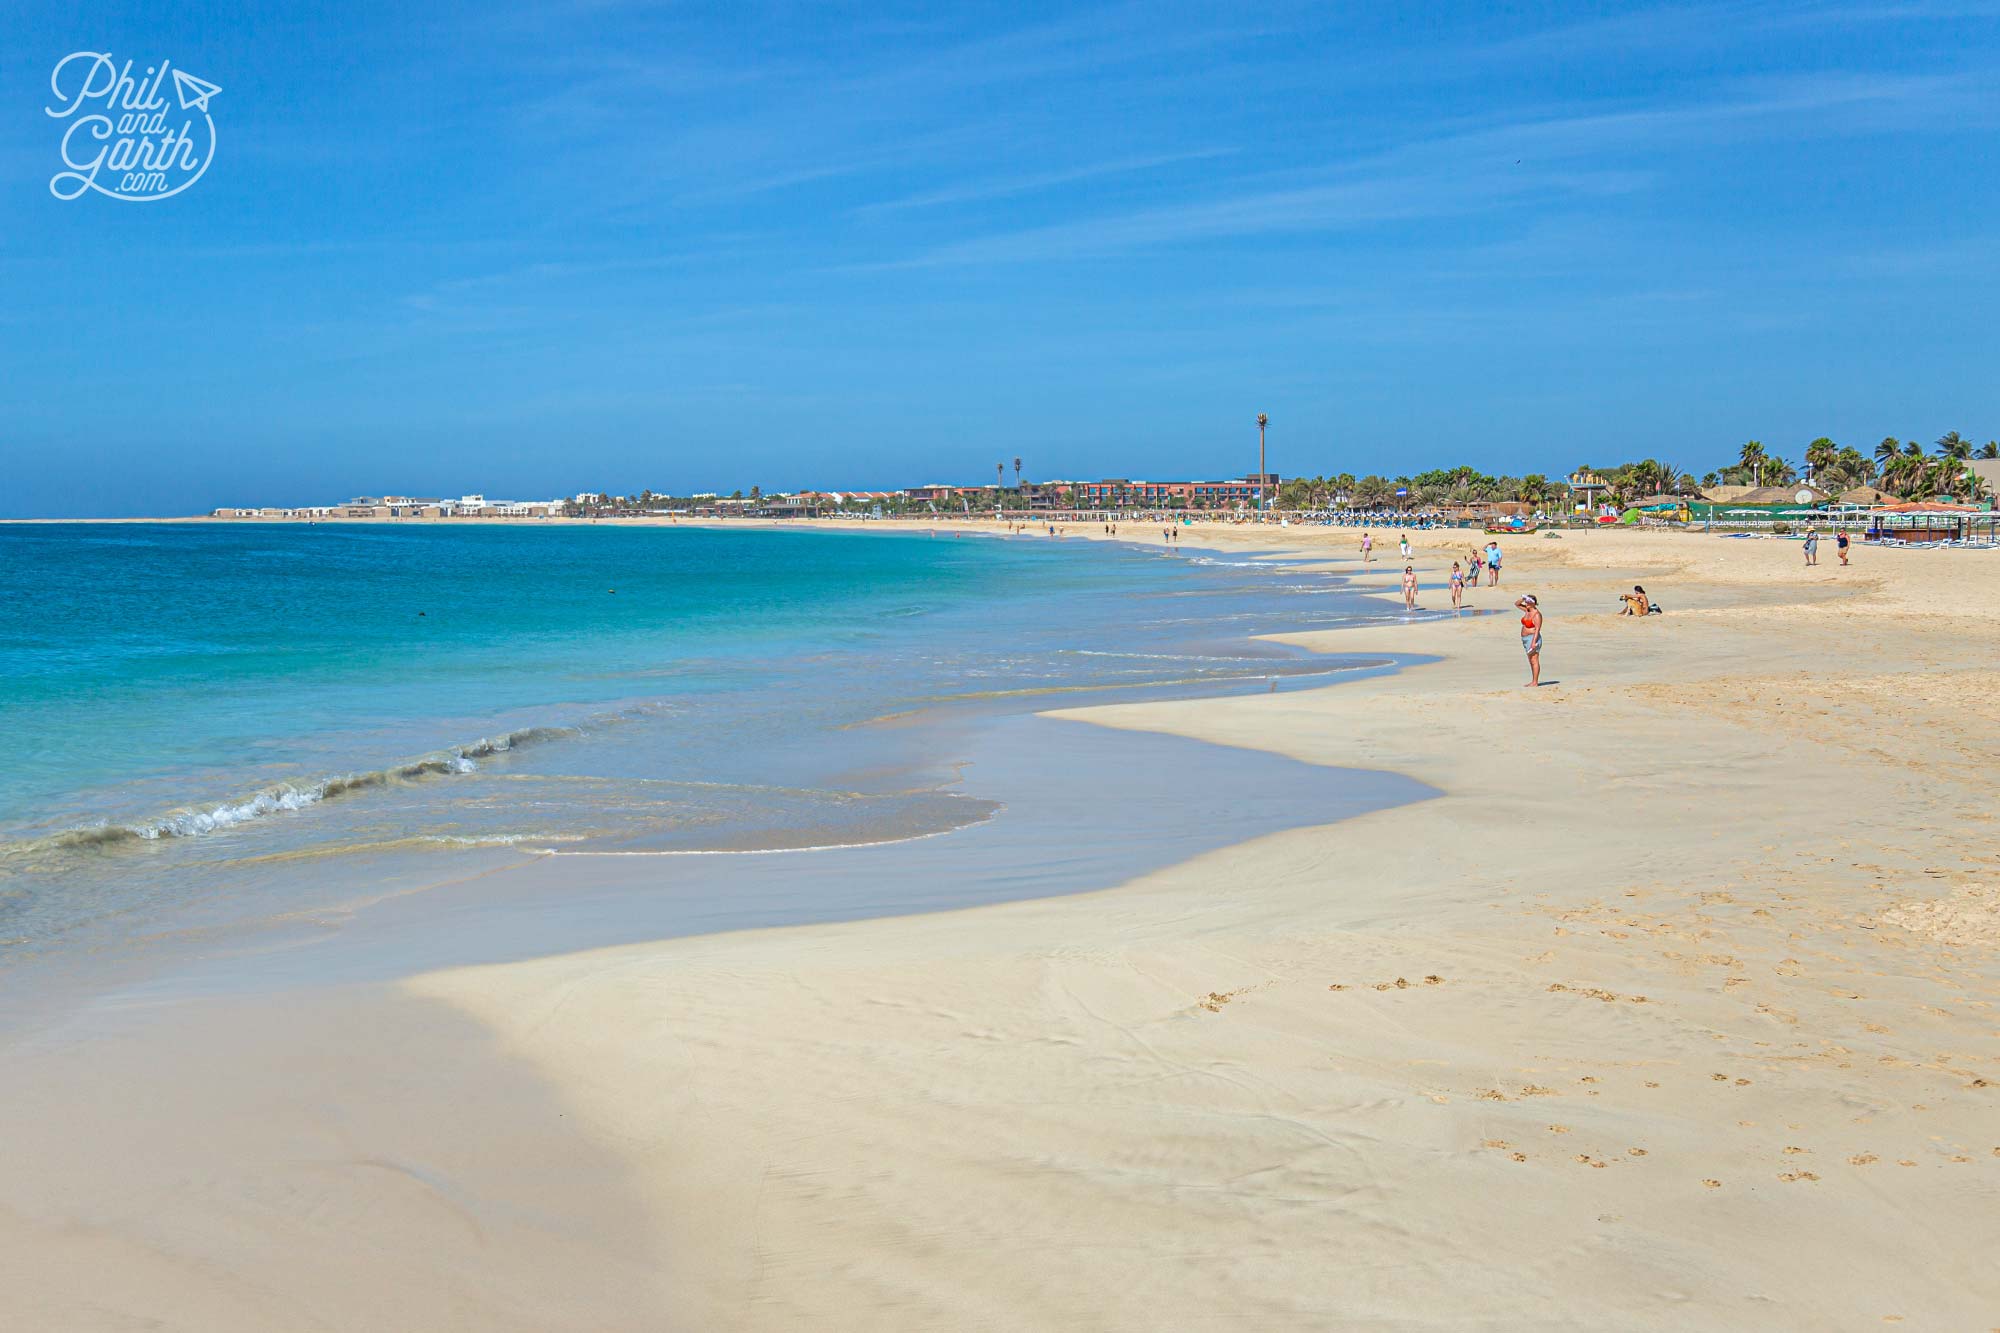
(1673, 1008)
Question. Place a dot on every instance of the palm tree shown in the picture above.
(1753, 459)
(1910, 468)
(1992, 449)
(1820, 454)
(1945, 476)
(1953, 445)
(1262, 421)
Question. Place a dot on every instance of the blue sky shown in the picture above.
(536, 248)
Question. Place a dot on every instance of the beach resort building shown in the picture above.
(1124, 493)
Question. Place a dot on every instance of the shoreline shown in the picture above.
(945, 706)
(1630, 1025)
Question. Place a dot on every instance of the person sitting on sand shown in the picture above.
(1531, 636)
(1636, 603)
(1409, 587)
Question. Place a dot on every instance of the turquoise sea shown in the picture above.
(200, 717)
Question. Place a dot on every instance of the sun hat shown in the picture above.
(1528, 598)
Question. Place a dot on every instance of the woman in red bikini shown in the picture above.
(1531, 637)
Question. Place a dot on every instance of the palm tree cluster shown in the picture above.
(1900, 467)
(1911, 472)
(1426, 490)
(1646, 478)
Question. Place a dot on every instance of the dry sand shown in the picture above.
(1675, 1009)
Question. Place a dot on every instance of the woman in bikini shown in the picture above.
(1409, 587)
(1531, 637)
(1457, 588)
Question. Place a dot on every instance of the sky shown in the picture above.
(530, 249)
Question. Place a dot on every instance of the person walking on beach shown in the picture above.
(1531, 637)
(1473, 563)
(1405, 544)
(1840, 545)
(1493, 564)
(1409, 587)
(1457, 588)
(1812, 545)
(1367, 547)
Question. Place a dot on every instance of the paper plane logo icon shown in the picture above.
(194, 93)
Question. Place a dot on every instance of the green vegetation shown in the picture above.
(1903, 468)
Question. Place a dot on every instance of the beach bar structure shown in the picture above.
(1929, 521)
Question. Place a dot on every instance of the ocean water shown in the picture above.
(201, 719)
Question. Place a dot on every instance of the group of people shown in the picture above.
(1812, 544)
(1486, 559)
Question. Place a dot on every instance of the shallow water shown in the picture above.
(221, 723)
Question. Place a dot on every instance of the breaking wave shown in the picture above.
(194, 821)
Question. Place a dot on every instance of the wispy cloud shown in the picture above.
(1601, 153)
(1001, 187)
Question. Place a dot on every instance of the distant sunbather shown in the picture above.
(1636, 603)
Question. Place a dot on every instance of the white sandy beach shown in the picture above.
(1674, 1009)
